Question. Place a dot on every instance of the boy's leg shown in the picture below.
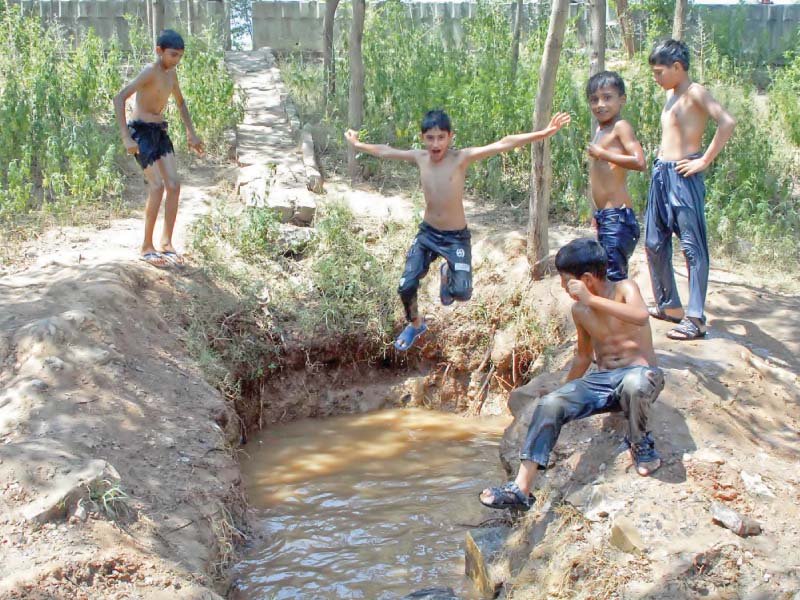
(418, 260)
(155, 192)
(456, 249)
(574, 400)
(618, 233)
(168, 168)
(637, 392)
(691, 228)
(658, 242)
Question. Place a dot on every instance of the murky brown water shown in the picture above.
(367, 506)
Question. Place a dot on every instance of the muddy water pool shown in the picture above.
(370, 506)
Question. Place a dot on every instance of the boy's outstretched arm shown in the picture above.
(725, 126)
(510, 142)
(142, 79)
(633, 310)
(633, 159)
(194, 142)
(379, 150)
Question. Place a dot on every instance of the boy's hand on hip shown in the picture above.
(196, 144)
(578, 291)
(688, 167)
(131, 147)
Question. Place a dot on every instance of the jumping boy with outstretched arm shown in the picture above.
(613, 328)
(676, 202)
(443, 231)
(145, 136)
(613, 152)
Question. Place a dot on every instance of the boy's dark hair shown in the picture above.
(170, 39)
(436, 118)
(668, 52)
(580, 256)
(605, 79)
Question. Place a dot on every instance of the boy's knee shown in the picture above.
(173, 186)
(643, 383)
(551, 405)
(408, 288)
(156, 188)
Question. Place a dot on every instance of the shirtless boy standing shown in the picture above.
(612, 325)
(443, 231)
(676, 202)
(145, 136)
(613, 152)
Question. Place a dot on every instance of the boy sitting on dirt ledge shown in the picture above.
(612, 326)
(443, 231)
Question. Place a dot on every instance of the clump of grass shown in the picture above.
(107, 496)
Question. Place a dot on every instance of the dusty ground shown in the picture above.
(96, 385)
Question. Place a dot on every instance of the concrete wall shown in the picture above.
(107, 17)
(766, 30)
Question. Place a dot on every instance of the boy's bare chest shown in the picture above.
(679, 113)
(159, 89)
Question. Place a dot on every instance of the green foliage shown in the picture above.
(784, 97)
(413, 68)
(59, 142)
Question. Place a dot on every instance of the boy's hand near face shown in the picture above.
(578, 291)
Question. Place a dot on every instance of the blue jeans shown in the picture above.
(676, 204)
(631, 390)
(617, 232)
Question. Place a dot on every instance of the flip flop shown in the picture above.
(173, 258)
(408, 336)
(658, 313)
(151, 258)
(686, 330)
(508, 495)
(444, 295)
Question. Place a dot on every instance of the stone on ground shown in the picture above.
(625, 536)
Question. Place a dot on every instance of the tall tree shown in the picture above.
(515, 39)
(626, 25)
(541, 168)
(679, 20)
(597, 45)
(158, 19)
(355, 105)
(328, 61)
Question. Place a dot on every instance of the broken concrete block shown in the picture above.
(484, 563)
(254, 193)
(281, 200)
(738, 524)
(625, 536)
(708, 455)
(294, 240)
(305, 208)
(67, 489)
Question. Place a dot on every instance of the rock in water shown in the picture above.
(742, 526)
(484, 562)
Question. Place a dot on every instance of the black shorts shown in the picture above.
(152, 139)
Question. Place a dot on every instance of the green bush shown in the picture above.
(59, 141)
(784, 97)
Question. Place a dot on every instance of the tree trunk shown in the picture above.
(328, 60)
(355, 106)
(597, 45)
(541, 169)
(515, 40)
(158, 19)
(626, 25)
(679, 22)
